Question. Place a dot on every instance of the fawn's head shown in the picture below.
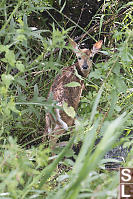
(85, 56)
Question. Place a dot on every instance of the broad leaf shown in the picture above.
(10, 57)
(69, 110)
(7, 79)
(20, 66)
(72, 84)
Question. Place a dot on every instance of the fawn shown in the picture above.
(70, 95)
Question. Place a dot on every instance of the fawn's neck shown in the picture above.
(79, 70)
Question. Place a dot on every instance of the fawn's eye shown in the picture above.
(91, 58)
(79, 58)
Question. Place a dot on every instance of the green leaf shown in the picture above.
(36, 92)
(7, 79)
(118, 35)
(63, 7)
(120, 84)
(94, 108)
(96, 74)
(116, 69)
(20, 37)
(101, 23)
(113, 98)
(21, 81)
(3, 48)
(20, 66)
(10, 57)
(72, 84)
(11, 106)
(47, 171)
(77, 75)
(87, 146)
(69, 110)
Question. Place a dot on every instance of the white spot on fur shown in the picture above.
(64, 124)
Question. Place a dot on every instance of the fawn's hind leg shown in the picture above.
(54, 137)
(55, 129)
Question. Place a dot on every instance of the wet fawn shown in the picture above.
(70, 95)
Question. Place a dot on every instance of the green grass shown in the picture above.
(28, 67)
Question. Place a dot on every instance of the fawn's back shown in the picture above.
(70, 95)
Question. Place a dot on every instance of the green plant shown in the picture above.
(28, 65)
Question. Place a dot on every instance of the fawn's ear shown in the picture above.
(96, 47)
(74, 45)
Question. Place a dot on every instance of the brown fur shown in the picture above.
(70, 95)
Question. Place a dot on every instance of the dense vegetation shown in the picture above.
(33, 49)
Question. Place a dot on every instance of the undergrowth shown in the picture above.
(31, 56)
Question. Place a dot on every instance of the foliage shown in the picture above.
(28, 66)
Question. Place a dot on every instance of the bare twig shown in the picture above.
(93, 29)
(96, 27)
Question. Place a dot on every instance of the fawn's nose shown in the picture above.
(85, 66)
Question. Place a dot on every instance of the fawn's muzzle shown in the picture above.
(85, 66)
